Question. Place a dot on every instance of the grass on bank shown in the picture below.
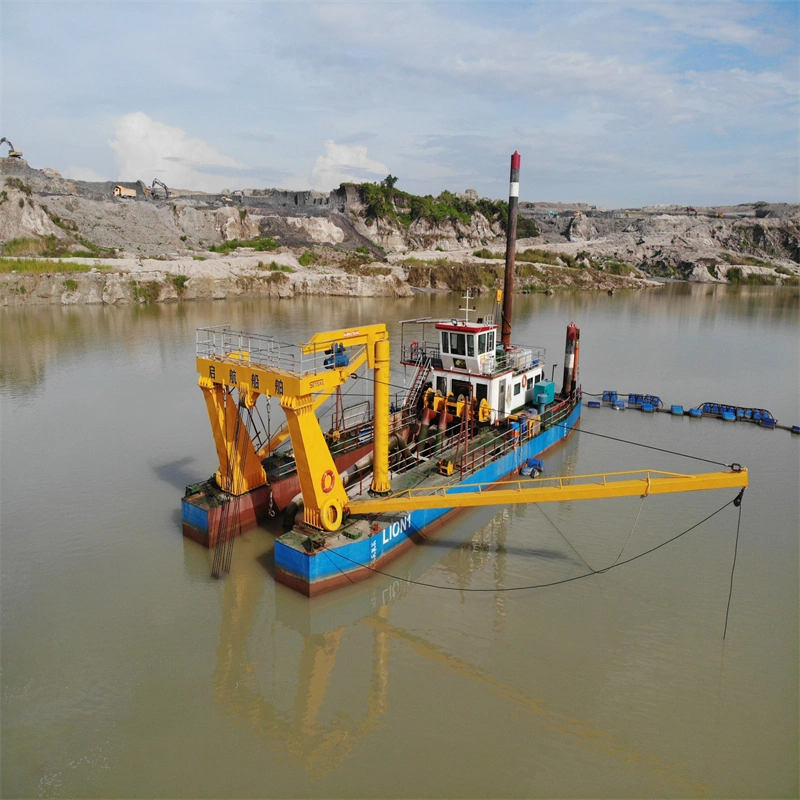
(51, 247)
(273, 266)
(260, 244)
(39, 266)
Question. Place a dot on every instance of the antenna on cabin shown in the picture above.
(466, 309)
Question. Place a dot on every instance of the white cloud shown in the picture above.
(343, 162)
(147, 149)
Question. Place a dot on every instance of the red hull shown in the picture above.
(201, 520)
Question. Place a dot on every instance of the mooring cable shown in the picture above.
(738, 503)
(639, 444)
(735, 501)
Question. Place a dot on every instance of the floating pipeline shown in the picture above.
(650, 403)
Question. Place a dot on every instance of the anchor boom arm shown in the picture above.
(543, 490)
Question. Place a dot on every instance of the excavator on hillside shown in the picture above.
(157, 182)
(12, 152)
(149, 192)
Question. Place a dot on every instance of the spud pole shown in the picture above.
(511, 250)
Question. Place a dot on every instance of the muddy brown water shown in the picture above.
(127, 671)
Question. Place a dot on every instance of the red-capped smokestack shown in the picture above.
(511, 249)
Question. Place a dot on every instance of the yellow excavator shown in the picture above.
(13, 153)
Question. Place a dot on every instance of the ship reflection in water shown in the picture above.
(308, 713)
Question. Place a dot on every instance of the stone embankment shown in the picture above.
(147, 247)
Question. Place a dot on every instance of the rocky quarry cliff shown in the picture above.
(67, 241)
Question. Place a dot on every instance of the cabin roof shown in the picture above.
(464, 327)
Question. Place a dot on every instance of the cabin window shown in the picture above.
(445, 348)
(441, 385)
(490, 342)
(517, 388)
(530, 383)
(481, 344)
(457, 344)
(470, 345)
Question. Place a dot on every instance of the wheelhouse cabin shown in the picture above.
(467, 360)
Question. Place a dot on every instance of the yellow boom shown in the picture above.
(257, 365)
(543, 490)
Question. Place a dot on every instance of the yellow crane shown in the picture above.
(257, 365)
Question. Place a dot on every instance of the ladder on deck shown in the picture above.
(415, 392)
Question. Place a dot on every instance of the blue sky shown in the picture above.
(611, 103)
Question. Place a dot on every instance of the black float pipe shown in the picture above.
(511, 250)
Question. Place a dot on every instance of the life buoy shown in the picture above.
(328, 481)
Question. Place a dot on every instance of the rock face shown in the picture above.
(677, 244)
(163, 245)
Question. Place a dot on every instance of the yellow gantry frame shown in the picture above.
(543, 490)
(324, 497)
(301, 394)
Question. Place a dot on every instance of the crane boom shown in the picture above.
(543, 490)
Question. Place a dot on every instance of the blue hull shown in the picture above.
(326, 569)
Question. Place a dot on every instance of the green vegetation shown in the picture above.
(38, 266)
(615, 267)
(276, 277)
(179, 282)
(70, 284)
(49, 246)
(16, 183)
(367, 270)
(736, 276)
(749, 261)
(260, 244)
(145, 292)
(364, 251)
(456, 277)
(528, 270)
(308, 258)
(64, 224)
(378, 201)
(546, 257)
(199, 258)
(273, 266)
(383, 201)
(484, 252)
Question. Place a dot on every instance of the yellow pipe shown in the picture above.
(560, 489)
(380, 474)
